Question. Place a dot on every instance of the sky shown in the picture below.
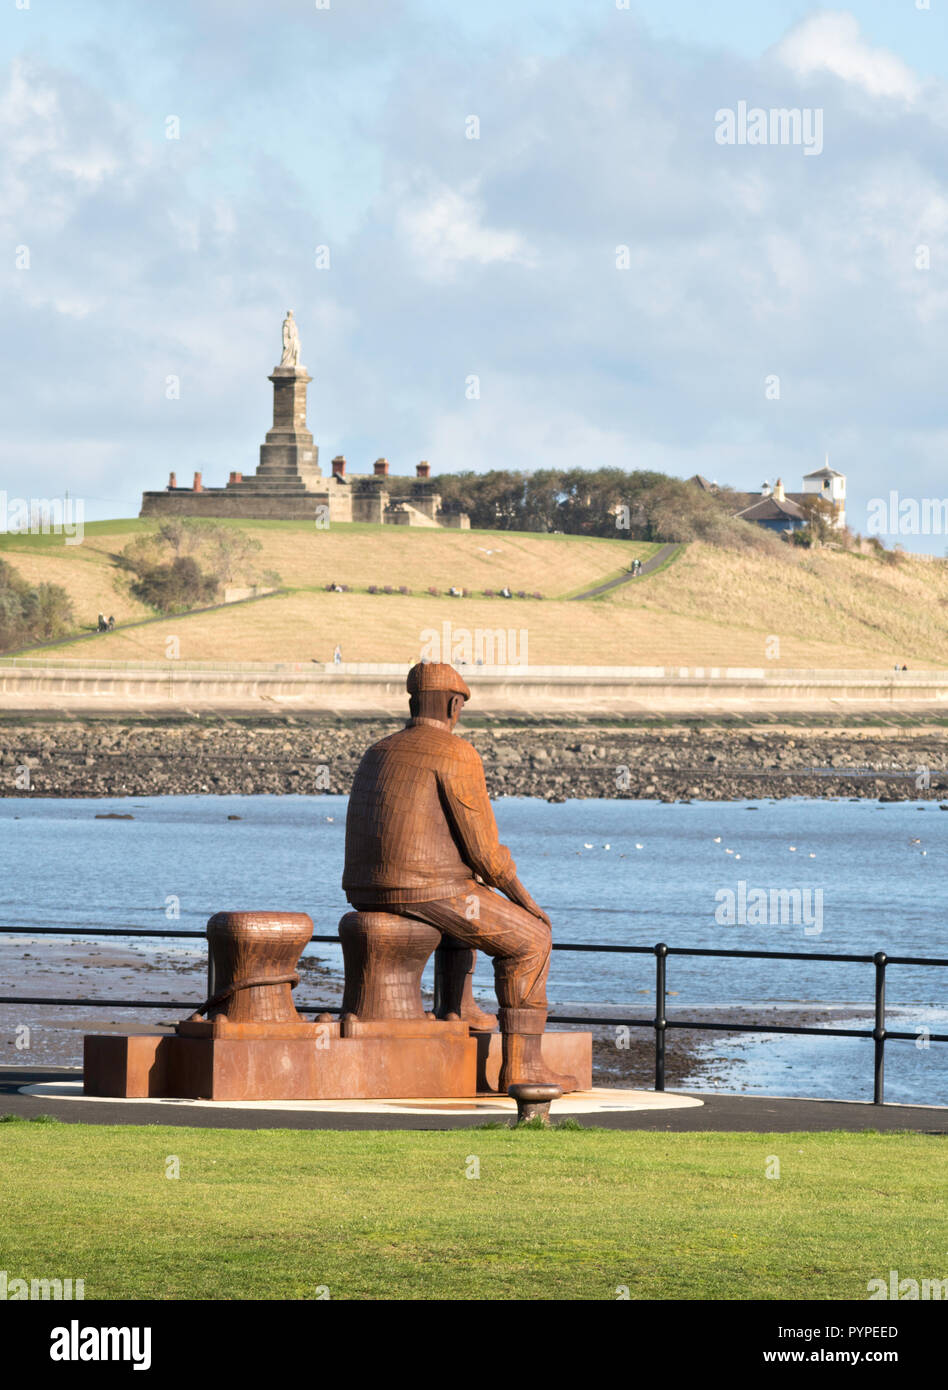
(597, 279)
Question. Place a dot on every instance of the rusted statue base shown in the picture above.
(363, 1068)
(403, 1028)
(221, 1028)
(436, 1060)
(248, 1042)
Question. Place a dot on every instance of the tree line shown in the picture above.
(31, 612)
(636, 505)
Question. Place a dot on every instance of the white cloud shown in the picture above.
(53, 154)
(76, 307)
(831, 41)
(744, 262)
(445, 228)
(34, 125)
(516, 425)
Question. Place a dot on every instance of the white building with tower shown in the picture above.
(775, 509)
(831, 486)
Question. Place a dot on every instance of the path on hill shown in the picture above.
(141, 622)
(663, 553)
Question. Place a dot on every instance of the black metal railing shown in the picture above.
(659, 1023)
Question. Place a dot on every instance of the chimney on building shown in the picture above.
(172, 480)
(423, 470)
(381, 468)
(198, 485)
(779, 494)
(235, 478)
(339, 466)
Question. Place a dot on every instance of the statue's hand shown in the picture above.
(515, 891)
(537, 911)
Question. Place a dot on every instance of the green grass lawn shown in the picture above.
(573, 1214)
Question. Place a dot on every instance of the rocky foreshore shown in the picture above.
(100, 758)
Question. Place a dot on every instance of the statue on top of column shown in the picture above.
(291, 342)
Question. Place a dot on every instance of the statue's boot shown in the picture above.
(454, 988)
(522, 1061)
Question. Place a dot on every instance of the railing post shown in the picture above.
(661, 952)
(878, 1032)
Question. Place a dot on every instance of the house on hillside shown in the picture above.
(774, 510)
(782, 511)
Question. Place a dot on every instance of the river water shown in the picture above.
(818, 876)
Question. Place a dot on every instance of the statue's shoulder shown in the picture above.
(384, 744)
(465, 750)
(442, 741)
(460, 754)
(427, 740)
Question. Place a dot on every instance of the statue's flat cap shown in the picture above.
(435, 675)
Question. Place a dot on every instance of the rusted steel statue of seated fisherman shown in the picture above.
(421, 841)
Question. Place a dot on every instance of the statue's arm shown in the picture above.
(515, 891)
(475, 829)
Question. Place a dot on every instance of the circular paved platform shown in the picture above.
(595, 1102)
(28, 1092)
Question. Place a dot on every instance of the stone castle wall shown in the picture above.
(371, 506)
(221, 502)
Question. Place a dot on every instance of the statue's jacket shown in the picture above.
(420, 822)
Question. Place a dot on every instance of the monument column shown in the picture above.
(289, 453)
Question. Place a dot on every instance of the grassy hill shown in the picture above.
(709, 607)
